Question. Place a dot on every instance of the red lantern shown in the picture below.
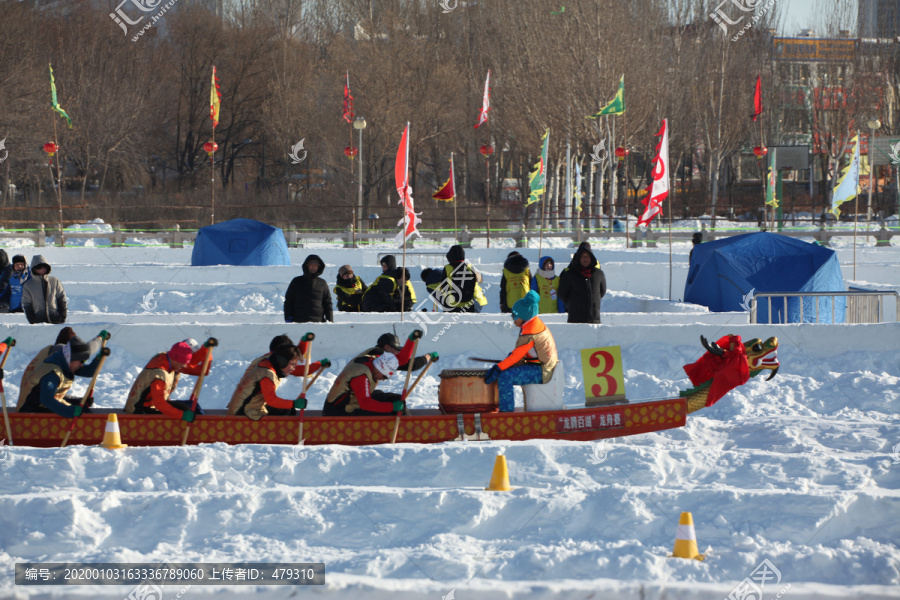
(50, 148)
(351, 151)
(621, 153)
(487, 150)
(760, 151)
(210, 147)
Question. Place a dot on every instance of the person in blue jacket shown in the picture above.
(12, 279)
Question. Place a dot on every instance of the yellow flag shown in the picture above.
(214, 96)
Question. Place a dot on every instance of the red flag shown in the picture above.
(659, 187)
(348, 101)
(401, 178)
(448, 191)
(485, 102)
(757, 99)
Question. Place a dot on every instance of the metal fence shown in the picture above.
(858, 307)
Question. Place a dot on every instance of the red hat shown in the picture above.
(181, 352)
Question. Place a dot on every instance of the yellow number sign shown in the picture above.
(604, 381)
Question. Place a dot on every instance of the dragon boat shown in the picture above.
(725, 365)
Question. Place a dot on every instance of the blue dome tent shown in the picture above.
(724, 273)
(240, 242)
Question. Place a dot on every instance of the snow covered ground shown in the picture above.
(802, 471)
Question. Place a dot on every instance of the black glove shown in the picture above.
(211, 343)
(416, 334)
(308, 337)
(105, 352)
(1, 374)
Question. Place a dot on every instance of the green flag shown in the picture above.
(771, 200)
(617, 106)
(54, 103)
(538, 178)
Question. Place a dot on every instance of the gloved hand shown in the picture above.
(398, 405)
(211, 342)
(416, 335)
(492, 375)
(289, 319)
(104, 335)
(90, 400)
(105, 351)
(300, 403)
(1, 374)
(308, 337)
(78, 410)
(434, 356)
(10, 341)
(324, 363)
(188, 416)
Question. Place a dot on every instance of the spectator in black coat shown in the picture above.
(308, 299)
(582, 286)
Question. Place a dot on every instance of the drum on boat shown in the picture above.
(464, 391)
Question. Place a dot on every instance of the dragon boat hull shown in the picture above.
(422, 427)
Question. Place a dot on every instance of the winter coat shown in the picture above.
(380, 295)
(349, 293)
(582, 295)
(308, 299)
(43, 297)
(515, 281)
(11, 287)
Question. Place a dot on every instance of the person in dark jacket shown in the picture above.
(349, 290)
(308, 299)
(460, 291)
(581, 287)
(49, 382)
(515, 281)
(12, 283)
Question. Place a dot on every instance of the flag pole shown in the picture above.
(671, 195)
(212, 171)
(455, 198)
(58, 182)
(856, 208)
(403, 270)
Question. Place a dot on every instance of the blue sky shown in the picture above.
(798, 15)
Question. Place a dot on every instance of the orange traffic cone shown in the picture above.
(686, 539)
(500, 476)
(112, 440)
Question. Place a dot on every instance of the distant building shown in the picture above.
(878, 18)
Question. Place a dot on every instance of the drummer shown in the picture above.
(534, 357)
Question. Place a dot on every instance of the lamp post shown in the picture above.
(873, 125)
(359, 123)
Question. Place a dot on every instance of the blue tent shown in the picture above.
(240, 242)
(725, 273)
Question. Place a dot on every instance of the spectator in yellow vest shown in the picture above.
(349, 290)
(515, 281)
(546, 283)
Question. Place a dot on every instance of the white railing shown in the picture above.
(859, 306)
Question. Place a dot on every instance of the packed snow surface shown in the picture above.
(802, 471)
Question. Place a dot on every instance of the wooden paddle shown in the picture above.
(195, 395)
(486, 360)
(3, 392)
(87, 394)
(409, 369)
(307, 356)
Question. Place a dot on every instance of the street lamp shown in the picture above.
(360, 124)
(873, 125)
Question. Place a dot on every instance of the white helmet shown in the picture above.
(386, 364)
